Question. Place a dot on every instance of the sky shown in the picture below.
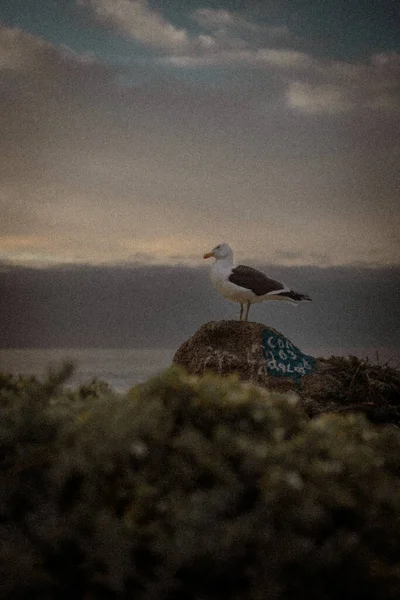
(149, 131)
(138, 134)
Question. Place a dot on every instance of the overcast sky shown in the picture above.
(149, 131)
(135, 135)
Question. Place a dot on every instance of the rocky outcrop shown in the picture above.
(262, 355)
(226, 347)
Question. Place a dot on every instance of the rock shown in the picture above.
(226, 347)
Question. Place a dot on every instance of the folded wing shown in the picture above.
(261, 285)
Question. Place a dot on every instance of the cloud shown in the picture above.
(283, 59)
(322, 98)
(74, 142)
(137, 20)
(19, 50)
(214, 19)
(263, 58)
(22, 51)
(232, 40)
(43, 88)
(314, 86)
(94, 171)
(336, 87)
(227, 22)
(144, 25)
(223, 29)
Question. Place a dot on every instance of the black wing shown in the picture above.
(254, 280)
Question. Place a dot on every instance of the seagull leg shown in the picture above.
(246, 318)
(241, 312)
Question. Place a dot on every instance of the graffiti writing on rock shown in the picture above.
(283, 358)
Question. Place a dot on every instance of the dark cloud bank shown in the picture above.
(162, 306)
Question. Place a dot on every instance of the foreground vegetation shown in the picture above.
(189, 489)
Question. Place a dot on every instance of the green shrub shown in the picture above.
(191, 488)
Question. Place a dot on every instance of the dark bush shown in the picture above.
(355, 385)
(189, 489)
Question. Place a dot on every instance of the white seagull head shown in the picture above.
(221, 251)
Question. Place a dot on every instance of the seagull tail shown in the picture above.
(295, 296)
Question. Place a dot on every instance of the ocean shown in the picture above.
(120, 367)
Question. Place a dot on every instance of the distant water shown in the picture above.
(124, 367)
(120, 367)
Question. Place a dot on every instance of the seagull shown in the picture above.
(244, 284)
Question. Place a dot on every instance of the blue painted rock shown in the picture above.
(256, 352)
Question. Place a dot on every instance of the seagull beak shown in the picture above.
(208, 255)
